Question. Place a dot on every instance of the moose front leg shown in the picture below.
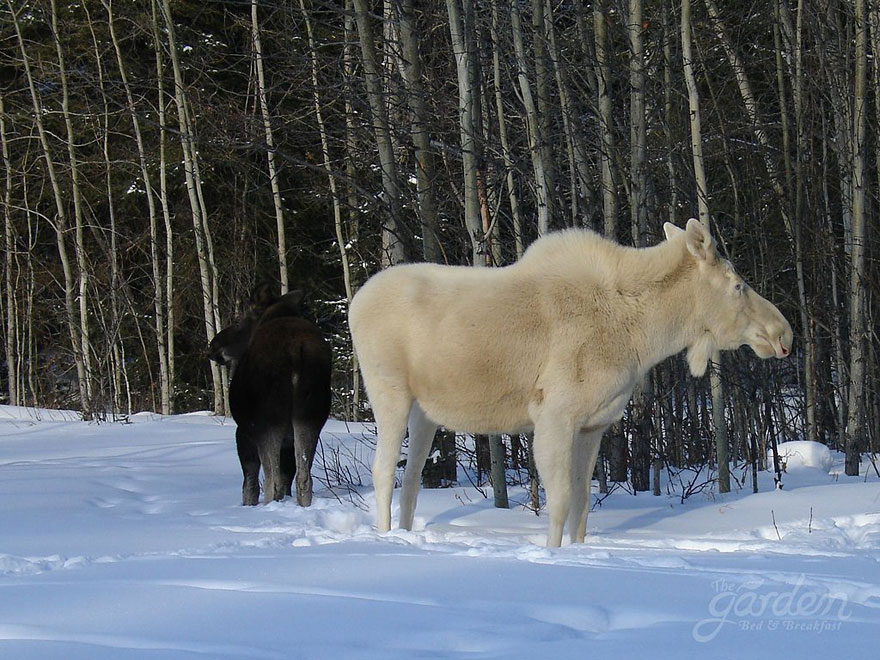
(554, 439)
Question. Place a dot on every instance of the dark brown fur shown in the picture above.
(279, 395)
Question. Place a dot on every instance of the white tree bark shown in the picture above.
(79, 224)
(168, 395)
(207, 268)
(12, 359)
(59, 223)
(158, 286)
(857, 309)
(606, 120)
(393, 246)
(410, 65)
(542, 192)
(281, 234)
(467, 131)
(512, 196)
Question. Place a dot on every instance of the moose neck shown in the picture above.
(669, 302)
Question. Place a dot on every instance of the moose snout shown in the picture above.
(218, 355)
(782, 345)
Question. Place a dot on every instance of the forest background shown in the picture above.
(161, 158)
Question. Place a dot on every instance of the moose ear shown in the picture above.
(671, 230)
(699, 241)
(263, 295)
(293, 298)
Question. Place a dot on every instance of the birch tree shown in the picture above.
(11, 328)
(858, 326)
(393, 246)
(696, 131)
(152, 211)
(281, 233)
(167, 404)
(59, 224)
(410, 64)
(207, 268)
(467, 102)
(542, 189)
(606, 119)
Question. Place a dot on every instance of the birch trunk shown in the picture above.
(281, 234)
(206, 268)
(638, 127)
(167, 403)
(411, 71)
(513, 199)
(393, 247)
(715, 382)
(349, 63)
(334, 192)
(542, 191)
(542, 97)
(59, 224)
(606, 119)
(12, 360)
(577, 157)
(855, 424)
(467, 131)
(158, 293)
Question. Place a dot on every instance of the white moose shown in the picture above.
(553, 344)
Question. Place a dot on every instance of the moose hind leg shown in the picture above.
(305, 443)
(391, 411)
(288, 462)
(269, 447)
(421, 434)
(250, 467)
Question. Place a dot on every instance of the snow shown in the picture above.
(128, 540)
(805, 454)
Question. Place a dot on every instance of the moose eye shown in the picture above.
(739, 287)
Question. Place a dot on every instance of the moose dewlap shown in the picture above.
(552, 344)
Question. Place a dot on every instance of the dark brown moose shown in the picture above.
(279, 395)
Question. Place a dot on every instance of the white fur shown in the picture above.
(554, 343)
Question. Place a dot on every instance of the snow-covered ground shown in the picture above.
(128, 541)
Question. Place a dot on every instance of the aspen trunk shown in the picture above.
(393, 247)
(59, 224)
(334, 192)
(158, 290)
(519, 244)
(606, 119)
(715, 382)
(855, 424)
(79, 249)
(542, 191)
(167, 403)
(467, 129)
(411, 70)
(197, 207)
(12, 360)
(281, 234)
